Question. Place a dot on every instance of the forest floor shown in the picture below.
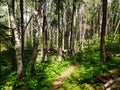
(59, 80)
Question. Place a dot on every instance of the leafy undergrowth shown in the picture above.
(46, 73)
(84, 78)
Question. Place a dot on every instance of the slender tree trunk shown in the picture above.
(103, 31)
(63, 40)
(72, 51)
(12, 49)
(83, 35)
(64, 28)
(51, 38)
(59, 49)
(44, 33)
(35, 46)
(22, 27)
(80, 28)
(36, 27)
(12, 4)
(18, 55)
(11, 32)
(98, 25)
(57, 35)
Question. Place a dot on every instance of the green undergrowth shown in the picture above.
(46, 72)
(84, 77)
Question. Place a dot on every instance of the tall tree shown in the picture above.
(44, 32)
(12, 39)
(103, 30)
(22, 26)
(72, 51)
(12, 5)
(36, 27)
(59, 49)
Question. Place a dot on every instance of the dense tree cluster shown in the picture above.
(57, 26)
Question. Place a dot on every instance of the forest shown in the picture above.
(59, 44)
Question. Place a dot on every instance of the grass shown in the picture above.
(83, 78)
(46, 74)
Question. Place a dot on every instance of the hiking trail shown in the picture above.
(59, 80)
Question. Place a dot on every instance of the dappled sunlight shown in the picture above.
(90, 73)
(60, 45)
(59, 80)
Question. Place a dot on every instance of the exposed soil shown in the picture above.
(59, 80)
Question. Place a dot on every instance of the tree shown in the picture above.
(22, 26)
(103, 30)
(36, 27)
(73, 23)
(44, 32)
(12, 5)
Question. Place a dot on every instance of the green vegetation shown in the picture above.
(59, 44)
(83, 78)
(46, 74)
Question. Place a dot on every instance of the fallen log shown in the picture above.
(111, 82)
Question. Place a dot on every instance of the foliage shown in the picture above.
(46, 74)
(84, 77)
(87, 22)
(81, 79)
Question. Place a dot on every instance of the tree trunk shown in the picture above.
(72, 51)
(64, 27)
(12, 4)
(22, 27)
(99, 26)
(36, 27)
(57, 36)
(80, 28)
(59, 49)
(45, 56)
(35, 46)
(11, 32)
(83, 34)
(103, 31)
(51, 37)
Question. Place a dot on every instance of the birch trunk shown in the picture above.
(12, 4)
(36, 27)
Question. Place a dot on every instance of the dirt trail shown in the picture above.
(59, 80)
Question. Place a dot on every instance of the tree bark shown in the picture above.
(22, 27)
(45, 56)
(103, 31)
(72, 51)
(59, 49)
(36, 27)
(12, 39)
(80, 28)
(12, 4)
